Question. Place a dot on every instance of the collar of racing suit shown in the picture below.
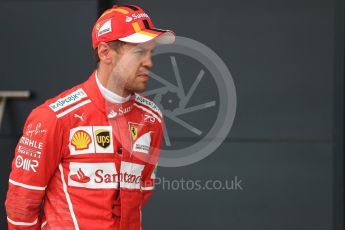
(108, 102)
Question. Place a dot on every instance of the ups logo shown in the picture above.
(103, 138)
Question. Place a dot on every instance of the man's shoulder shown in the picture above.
(64, 101)
(147, 104)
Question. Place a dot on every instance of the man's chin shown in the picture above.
(139, 90)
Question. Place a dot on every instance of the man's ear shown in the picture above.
(104, 52)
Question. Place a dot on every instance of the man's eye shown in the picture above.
(140, 51)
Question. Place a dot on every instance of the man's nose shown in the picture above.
(147, 62)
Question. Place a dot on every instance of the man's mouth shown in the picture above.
(143, 76)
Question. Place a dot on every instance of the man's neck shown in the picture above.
(108, 92)
(114, 85)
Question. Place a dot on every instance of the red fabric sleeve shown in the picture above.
(149, 173)
(37, 156)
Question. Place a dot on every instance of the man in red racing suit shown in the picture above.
(88, 155)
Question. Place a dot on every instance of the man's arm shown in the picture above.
(149, 173)
(37, 155)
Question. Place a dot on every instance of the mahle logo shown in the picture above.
(103, 138)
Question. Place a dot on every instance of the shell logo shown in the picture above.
(81, 140)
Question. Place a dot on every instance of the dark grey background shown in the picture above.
(286, 58)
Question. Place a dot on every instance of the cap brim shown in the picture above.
(160, 36)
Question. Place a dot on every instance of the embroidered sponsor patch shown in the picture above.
(104, 175)
(68, 100)
(105, 28)
(37, 145)
(130, 175)
(33, 130)
(148, 103)
(133, 128)
(28, 154)
(26, 164)
(92, 175)
(103, 137)
(29, 151)
(91, 139)
(142, 144)
(81, 140)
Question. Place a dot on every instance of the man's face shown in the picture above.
(131, 66)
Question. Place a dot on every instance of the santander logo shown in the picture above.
(136, 16)
(105, 175)
(80, 177)
(101, 177)
(128, 19)
(125, 110)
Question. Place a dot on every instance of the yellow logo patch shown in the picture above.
(81, 140)
(134, 131)
(103, 138)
